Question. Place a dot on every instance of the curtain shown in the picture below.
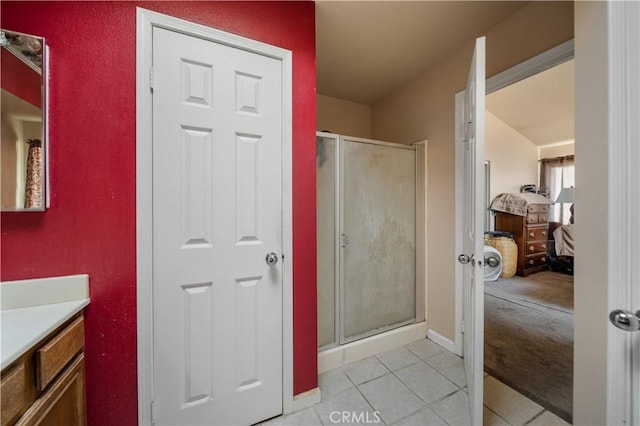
(555, 174)
(33, 189)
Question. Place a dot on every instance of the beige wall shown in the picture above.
(513, 157)
(424, 109)
(590, 298)
(558, 150)
(343, 117)
(9, 158)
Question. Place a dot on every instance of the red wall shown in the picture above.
(90, 227)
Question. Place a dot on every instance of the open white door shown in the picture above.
(623, 231)
(473, 230)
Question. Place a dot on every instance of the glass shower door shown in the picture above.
(377, 237)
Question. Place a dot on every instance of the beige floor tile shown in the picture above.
(424, 417)
(391, 398)
(489, 418)
(454, 409)
(362, 371)
(397, 358)
(425, 348)
(548, 419)
(512, 406)
(306, 417)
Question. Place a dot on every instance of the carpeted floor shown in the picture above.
(529, 337)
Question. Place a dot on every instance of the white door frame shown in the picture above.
(146, 20)
(549, 59)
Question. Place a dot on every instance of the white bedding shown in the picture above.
(564, 240)
(516, 203)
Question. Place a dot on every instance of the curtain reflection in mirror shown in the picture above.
(33, 189)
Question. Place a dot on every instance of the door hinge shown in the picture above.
(153, 412)
(151, 78)
(344, 240)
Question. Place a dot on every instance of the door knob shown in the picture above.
(464, 259)
(492, 261)
(625, 320)
(271, 259)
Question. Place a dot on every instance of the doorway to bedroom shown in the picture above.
(530, 153)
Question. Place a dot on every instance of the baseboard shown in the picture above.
(443, 341)
(337, 357)
(307, 399)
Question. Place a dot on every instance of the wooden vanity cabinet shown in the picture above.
(531, 233)
(45, 386)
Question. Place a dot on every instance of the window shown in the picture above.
(555, 174)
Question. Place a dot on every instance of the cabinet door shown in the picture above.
(17, 391)
(63, 403)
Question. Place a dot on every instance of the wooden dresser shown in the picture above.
(531, 233)
(45, 386)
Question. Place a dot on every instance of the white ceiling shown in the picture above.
(368, 49)
(541, 107)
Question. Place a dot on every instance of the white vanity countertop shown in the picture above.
(31, 309)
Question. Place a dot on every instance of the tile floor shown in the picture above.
(419, 384)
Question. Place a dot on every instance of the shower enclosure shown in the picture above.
(366, 232)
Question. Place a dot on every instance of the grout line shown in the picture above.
(354, 384)
(412, 391)
(424, 403)
(499, 416)
(370, 404)
(424, 359)
(536, 416)
(445, 397)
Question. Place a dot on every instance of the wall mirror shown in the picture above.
(23, 127)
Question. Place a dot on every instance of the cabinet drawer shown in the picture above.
(535, 260)
(17, 393)
(537, 218)
(539, 247)
(52, 357)
(537, 234)
(538, 208)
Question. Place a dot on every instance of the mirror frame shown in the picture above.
(44, 109)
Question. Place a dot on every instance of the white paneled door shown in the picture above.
(473, 230)
(217, 232)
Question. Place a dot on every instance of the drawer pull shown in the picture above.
(544, 246)
(544, 233)
(532, 234)
(532, 248)
(531, 262)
